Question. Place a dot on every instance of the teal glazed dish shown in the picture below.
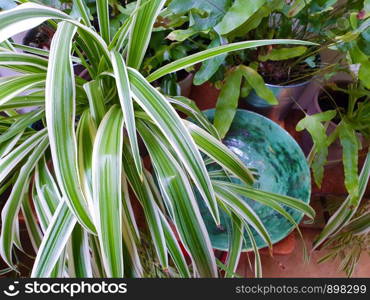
(282, 168)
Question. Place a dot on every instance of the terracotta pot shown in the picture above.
(186, 85)
(286, 95)
(313, 107)
(205, 95)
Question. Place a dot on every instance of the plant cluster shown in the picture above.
(76, 178)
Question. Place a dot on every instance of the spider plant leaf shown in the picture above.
(227, 102)
(83, 11)
(42, 217)
(119, 39)
(29, 15)
(9, 145)
(359, 225)
(7, 45)
(170, 124)
(174, 248)
(128, 212)
(103, 19)
(13, 86)
(5, 271)
(86, 132)
(24, 101)
(348, 208)
(124, 93)
(11, 209)
(141, 30)
(17, 236)
(96, 99)
(39, 52)
(10, 161)
(54, 241)
(107, 190)
(219, 152)
(257, 257)
(176, 187)
(97, 261)
(243, 210)
(189, 108)
(48, 196)
(144, 194)
(270, 202)
(20, 61)
(21, 124)
(213, 52)
(257, 195)
(24, 17)
(60, 115)
(131, 237)
(79, 258)
(32, 226)
(235, 247)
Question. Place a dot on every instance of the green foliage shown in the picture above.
(87, 159)
(313, 124)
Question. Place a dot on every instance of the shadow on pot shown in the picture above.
(286, 95)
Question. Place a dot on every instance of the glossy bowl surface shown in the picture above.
(265, 146)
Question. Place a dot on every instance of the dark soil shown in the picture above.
(330, 99)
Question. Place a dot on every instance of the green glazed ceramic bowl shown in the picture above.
(263, 145)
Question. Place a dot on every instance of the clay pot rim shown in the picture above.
(290, 85)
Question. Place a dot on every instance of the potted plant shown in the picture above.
(286, 69)
(90, 137)
(244, 70)
(341, 127)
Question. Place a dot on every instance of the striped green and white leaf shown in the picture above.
(15, 85)
(174, 248)
(189, 108)
(29, 15)
(264, 196)
(54, 241)
(60, 114)
(124, 93)
(220, 153)
(24, 101)
(235, 246)
(10, 161)
(243, 210)
(79, 258)
(348, 208)
(143, 193)
(103, 19)
(12, 206)
(167, 120)
(23, 62)
(141, 30)
(107, 190)
(176, 187)
(24, 17)
(20, 124)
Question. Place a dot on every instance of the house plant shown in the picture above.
(82, 164)
(342, 128)
(236, 21)
(286, 70)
